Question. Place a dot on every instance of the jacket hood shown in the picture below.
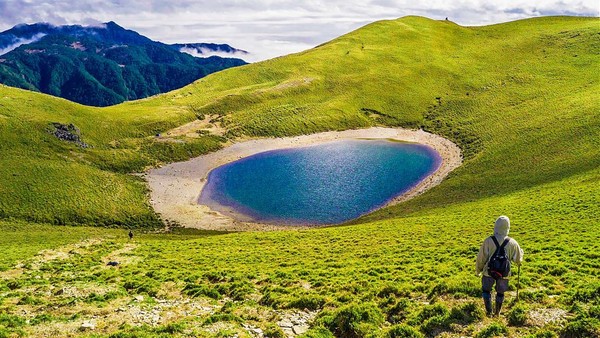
(502, 226)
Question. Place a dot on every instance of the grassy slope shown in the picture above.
(22, 240)
(87, 186)
(521, 99)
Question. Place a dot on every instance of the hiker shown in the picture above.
(496, 271)
(130, 235)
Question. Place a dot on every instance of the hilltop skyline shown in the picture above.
(272, 28)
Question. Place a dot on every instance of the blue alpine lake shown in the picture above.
(328, 183)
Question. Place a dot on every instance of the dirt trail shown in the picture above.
(194, 129)
(48, 255)
(122, 256)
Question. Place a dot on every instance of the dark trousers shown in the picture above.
(487, 283)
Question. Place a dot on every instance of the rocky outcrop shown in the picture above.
(69, 133)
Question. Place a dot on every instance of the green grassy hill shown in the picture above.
(522, 99)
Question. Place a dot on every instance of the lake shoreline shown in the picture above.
(175, 188)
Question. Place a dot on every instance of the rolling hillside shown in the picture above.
(521, 99)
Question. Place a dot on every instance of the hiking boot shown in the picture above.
(498, 308)
(488, 305)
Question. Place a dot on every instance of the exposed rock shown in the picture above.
(254, 331)
(87, 325)
(542, 317)
(296, 322)
(300, 329)
(68, 132)
(285, 324)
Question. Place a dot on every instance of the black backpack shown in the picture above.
(499, 264)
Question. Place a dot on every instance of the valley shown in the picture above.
(520, 100)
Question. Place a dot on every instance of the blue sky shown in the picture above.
(269, 28)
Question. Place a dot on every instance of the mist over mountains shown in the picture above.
(104, 64)
(209, 49)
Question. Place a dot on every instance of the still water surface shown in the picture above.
(324, 184)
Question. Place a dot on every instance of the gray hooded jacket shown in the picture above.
(513, 250)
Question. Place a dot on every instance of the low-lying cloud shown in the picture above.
(20, 42)
(206, 53)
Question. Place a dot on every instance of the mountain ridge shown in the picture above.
(97, 66)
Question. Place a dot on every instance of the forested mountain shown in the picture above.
(97, 66)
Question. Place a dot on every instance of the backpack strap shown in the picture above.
(498, 246)
(503, 243)
(496, 242)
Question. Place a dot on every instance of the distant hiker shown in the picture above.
(130, 235)
(495, 255)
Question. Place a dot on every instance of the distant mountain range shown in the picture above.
(103, 65)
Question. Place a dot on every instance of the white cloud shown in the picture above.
(205, 53)
(20, 42)
(269, 28)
